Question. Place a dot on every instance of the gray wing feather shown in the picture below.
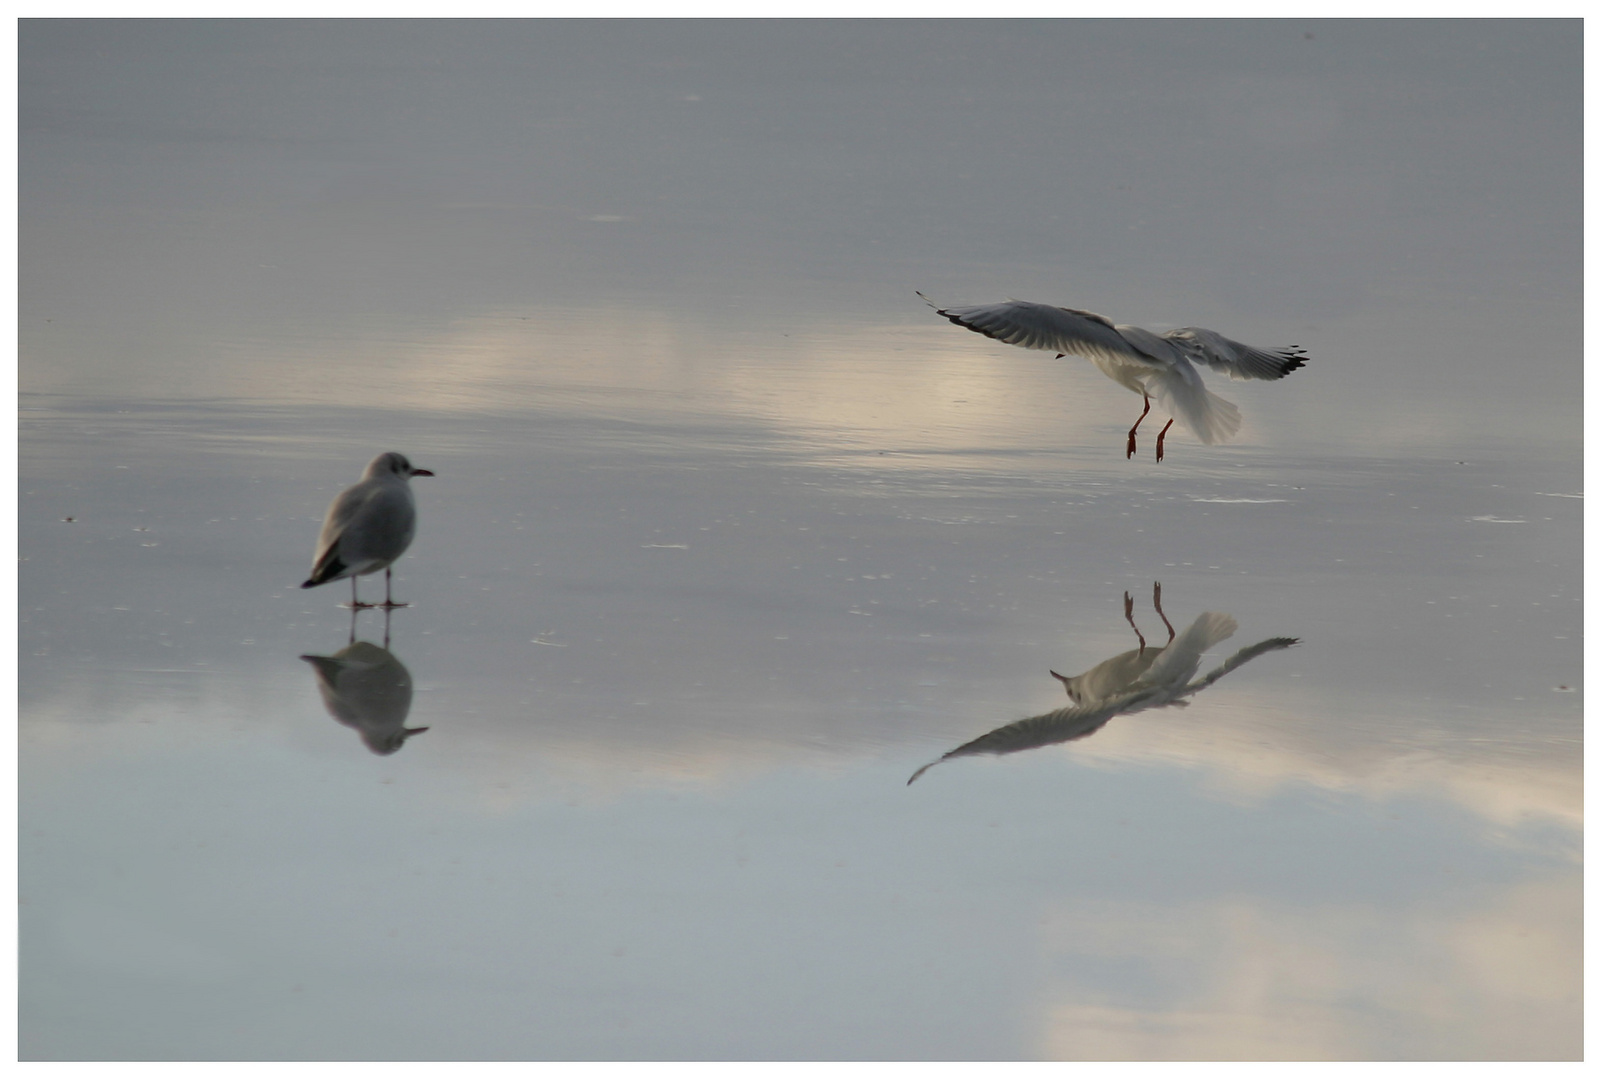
(341, 512)
(1042, 326)
(1250, 653)
(1058, 726)
(1238, 360)
(367, 522)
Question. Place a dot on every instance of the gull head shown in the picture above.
(393, 464)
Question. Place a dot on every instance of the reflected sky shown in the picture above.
(225, 209)
(729, 534)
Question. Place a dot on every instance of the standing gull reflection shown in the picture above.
(366, 687)
(1131, 682)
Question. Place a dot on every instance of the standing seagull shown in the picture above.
(1150, 364)
(369, 525)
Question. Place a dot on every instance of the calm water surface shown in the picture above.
(730, 535)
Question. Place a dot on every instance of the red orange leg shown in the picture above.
(355, 602)
(1157, 602)
(1129, 617)
(388, 602)
(1160, 435)
(1129, 452)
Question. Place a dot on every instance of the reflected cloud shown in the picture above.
(1143, 678)
(1488, 975)
(366, 687)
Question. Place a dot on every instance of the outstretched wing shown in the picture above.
(1042, 326)
(1251, 652)
(1237, 360)
(1048, 729)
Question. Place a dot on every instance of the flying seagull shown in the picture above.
(1151, 365)
(368, 526)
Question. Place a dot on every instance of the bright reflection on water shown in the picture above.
(729, 534)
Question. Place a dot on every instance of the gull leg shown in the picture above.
(355, 602)
(1157, 602)
(388, 603)
(1129, 451)
(1160, 435)
(1129, 617)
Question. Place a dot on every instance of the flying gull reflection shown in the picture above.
(1131, 682)
(368, 526)
(1113, 676)
(366, 687)
(1150, 364)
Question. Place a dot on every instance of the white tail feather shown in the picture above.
(1209, 417)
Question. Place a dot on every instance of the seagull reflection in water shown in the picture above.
(366, 687)
(1144, 678)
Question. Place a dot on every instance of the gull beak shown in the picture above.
(421, 472)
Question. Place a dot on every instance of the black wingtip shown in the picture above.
(322, 575)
